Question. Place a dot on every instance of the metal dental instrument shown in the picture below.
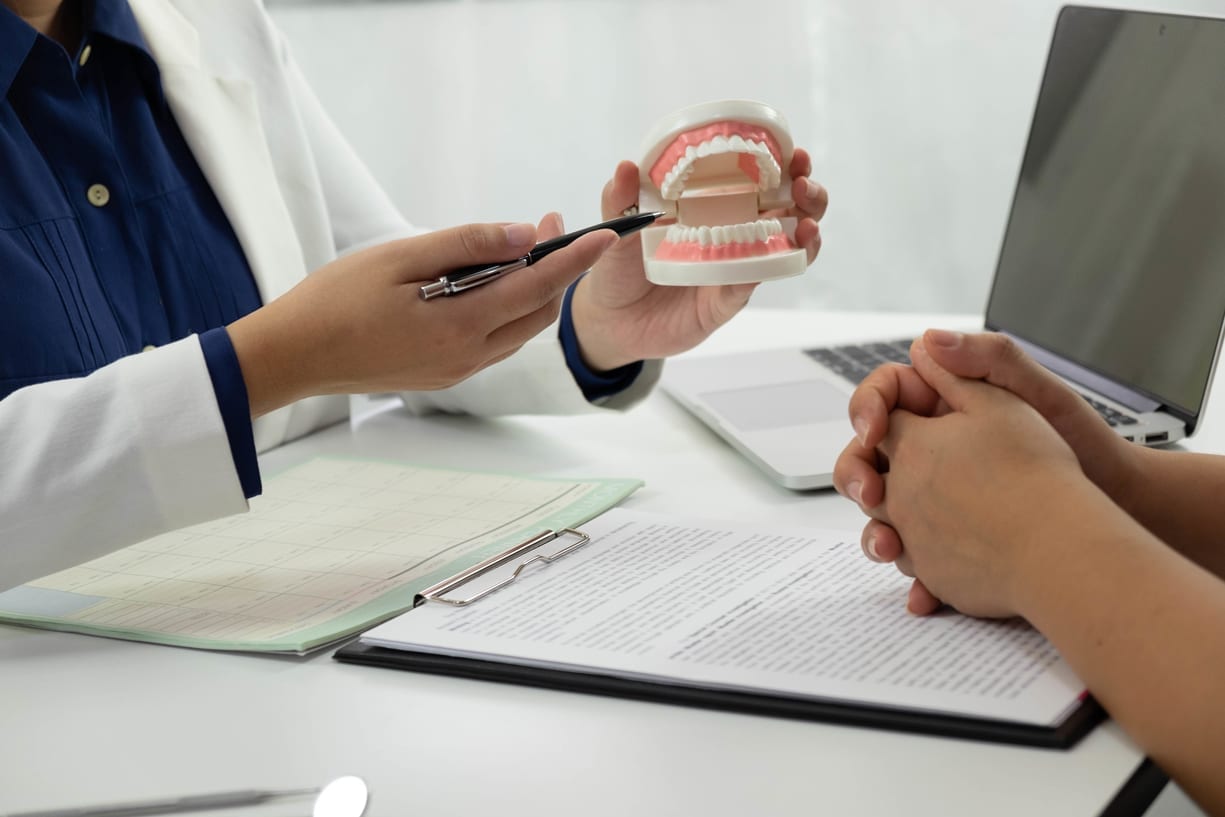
(343, 797)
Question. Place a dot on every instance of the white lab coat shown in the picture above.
(137, 448)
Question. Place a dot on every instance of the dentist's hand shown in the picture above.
(620, 317)
(359, 324)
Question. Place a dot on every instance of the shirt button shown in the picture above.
(98, 195)
(149, 347)
(85, 54)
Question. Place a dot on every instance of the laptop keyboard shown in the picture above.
(854, 361)
(1115, 418)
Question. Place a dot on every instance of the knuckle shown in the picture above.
(844, 468)
(547, 297)
(476, 240)
(1006, 348)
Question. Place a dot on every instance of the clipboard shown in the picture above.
(464, 590)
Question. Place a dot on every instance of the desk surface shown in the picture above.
(89, 719)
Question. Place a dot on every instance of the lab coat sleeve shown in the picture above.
(92, 464)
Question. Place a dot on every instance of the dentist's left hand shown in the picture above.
(620, 317)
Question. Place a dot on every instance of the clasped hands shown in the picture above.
(961, 457)
(357, 325)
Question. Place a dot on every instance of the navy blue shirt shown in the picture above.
(111, 240)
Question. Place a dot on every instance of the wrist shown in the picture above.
(598, 349)
(1125, 477)
(1066, 528)
(269, 357)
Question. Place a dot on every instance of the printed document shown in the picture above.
(795, 612)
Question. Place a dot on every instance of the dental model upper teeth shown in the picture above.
(756, 150)
(722, 170)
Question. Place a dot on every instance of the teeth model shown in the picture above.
(720, 169)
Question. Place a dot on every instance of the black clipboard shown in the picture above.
(1079, 722)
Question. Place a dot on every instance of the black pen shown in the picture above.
(478, 274)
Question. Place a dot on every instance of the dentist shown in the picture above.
(197, 267)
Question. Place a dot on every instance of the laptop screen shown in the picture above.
(1114, 255)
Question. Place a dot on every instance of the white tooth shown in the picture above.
(719, 145)
(674, 182)
(768, 172)
(691, 234)
(675, 234)
(691, 153)
(760, 232)
(704, 150)
(719, 235)
(737, 143)
(704, 237)
(745, 234)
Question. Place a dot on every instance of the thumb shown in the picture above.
(957, 392)
(997, 359)
(621, 191)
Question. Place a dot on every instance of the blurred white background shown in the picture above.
(915, 111)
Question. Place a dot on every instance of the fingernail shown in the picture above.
(872, 548)
(519, 234)
(854, 491)
(943, 337)
(861, 429)
(561, 223)
(812, 189)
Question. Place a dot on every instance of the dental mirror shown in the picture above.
(343, 797)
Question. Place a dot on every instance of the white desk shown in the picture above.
(91, 720)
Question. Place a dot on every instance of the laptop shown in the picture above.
(1111, 270)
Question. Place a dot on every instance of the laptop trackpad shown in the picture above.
(759, 408)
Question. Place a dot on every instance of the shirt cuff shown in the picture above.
(593, 384)
(231, 391)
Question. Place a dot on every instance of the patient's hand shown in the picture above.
(959, 479)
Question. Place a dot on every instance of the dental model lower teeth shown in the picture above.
(719, 169)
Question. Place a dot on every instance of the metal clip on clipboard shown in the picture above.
(437, 591)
